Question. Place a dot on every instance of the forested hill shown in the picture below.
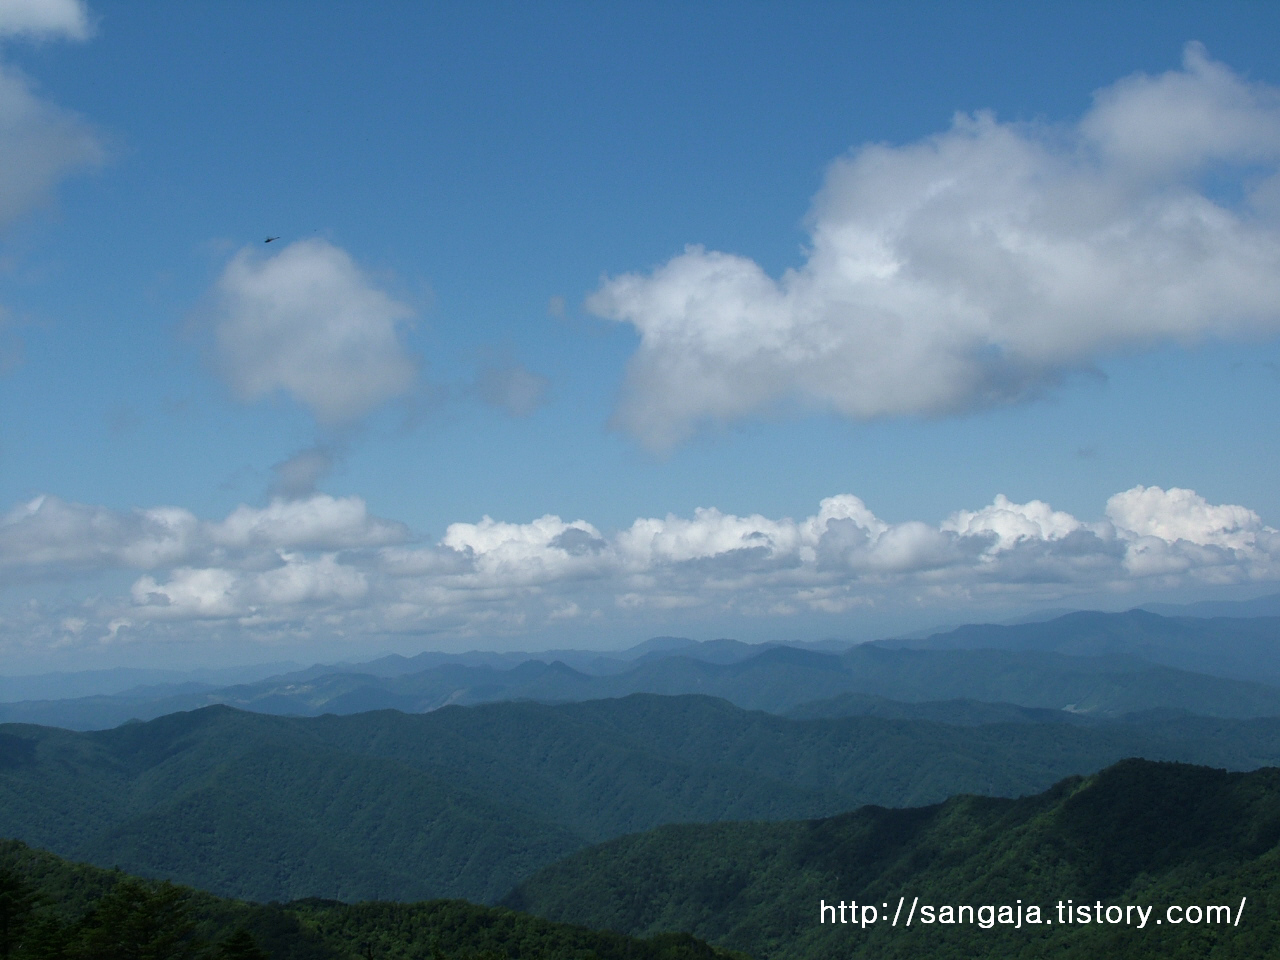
(468, 802)
(54, 910)
(1136, 834)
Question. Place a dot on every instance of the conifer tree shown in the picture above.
(240, 946)
(17, 905)
(137, 921)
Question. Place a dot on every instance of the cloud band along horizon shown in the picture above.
(318, 565)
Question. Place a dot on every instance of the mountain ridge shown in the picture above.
(1099, 664)
(1158, 834)
(467, 801)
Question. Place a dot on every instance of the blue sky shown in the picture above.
(587, 270)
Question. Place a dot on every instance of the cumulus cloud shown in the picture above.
(308, 322)
(324, 565)
(217, 593)
(1012, 523)
(980, 265)
(1177, 514)
(319, 522)
(51, 536)
(44, 19)
(522, 553)
(840, 558)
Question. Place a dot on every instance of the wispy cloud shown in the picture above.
(979, 266)
(44, 19)
(40, 142)
(512, 388)
(296, 477)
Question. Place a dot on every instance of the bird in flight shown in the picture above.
(269, 239)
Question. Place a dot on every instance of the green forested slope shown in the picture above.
(51, 909)
(466, 802)
(1136, 834)
(252, 805)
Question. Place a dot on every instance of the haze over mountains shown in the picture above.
(478, 774)
(1094, 664)
(1236, 648)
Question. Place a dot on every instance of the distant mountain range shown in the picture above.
(1090, 664)
(1230, 647)
(1138, 834)
(469, 801)
(1268, 606)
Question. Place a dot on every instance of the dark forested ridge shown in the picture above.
(54, 910)
(467, 802)
(1136, 834)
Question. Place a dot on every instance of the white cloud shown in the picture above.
(320, 522)
(978, 266)
(216, 593)
(307, 321)
(324, 566)
(522, 553)
(48, 535)
(51, 534)
(44, 18)
(1178, 514)
(188, 593)
(709, 533)
(1012, 523)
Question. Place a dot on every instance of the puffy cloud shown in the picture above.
(322, 566)
(979, 265)
(1178, 514)
(188, 593)
(44, 18)
(320, 522)
(49, 535)
(1012, 523)
(219, 593)
(523, 553)
(709, 533)
(307, 321)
